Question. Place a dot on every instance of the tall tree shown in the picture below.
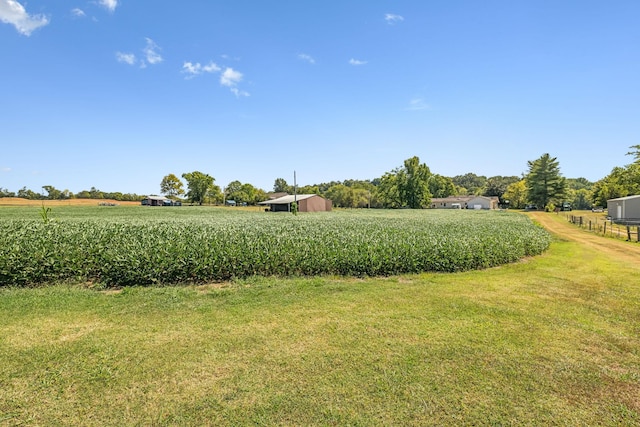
(497, 185)
(171, 186)
(545, 184)
(280, 186)
(516, 194)
(199, 185)
(441, 186)
(407, 186)
(414, 183)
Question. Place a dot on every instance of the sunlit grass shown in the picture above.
(551, 340)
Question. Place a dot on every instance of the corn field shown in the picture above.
(146, 246)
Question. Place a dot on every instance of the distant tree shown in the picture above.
(280, 186)
(26, 193)
(388, 192)
(406, 186)
(497, 185)
(579, 184)
(414, 183)
(4, 192)
(516, 194)
(545, 184)
(52, 192)
(441, 186)
(472, 183)
(199, 185)
(171, 186)
(214, 195)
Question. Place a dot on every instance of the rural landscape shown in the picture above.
(329, 213)
(124, 314)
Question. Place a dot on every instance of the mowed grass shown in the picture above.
(552, 340)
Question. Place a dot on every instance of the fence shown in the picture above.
(606, 227)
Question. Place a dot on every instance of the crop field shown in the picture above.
(123, 246)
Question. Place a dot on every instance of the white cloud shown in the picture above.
(127, 58)
(151, 52)
(417, 104)
(356, 62)
(110, 5)
(7, 170)
(307, 58)
(230, 77)
(393, 19)
(196, 69)
(12, 12)
(78, 13)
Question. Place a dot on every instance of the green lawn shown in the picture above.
(552, 340)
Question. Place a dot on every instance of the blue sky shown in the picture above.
(116, 94)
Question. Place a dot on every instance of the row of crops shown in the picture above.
(200, 247)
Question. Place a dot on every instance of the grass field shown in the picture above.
(551, 340)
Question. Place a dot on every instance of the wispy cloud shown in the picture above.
(393, 19)
(127, 58)
(151, 56)
(307, 58)
(151, 52)
(356, 62)
(417, 104)
(230, 78)
(12, 12)
(5, 169)
(110, 5)
(196, 69)
(78, 13)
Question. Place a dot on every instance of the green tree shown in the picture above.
(545, 184)
(199, 185)
(441, 186)
(171, 186)
(516, 194)
(470, 182)
(280, 186)
(52, 192)
(497, 186)
(414, 183)
(407, 186)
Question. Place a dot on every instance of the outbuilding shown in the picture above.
(624, 209)
(483, 202)
(306, 203)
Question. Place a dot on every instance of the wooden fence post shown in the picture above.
(628, 233)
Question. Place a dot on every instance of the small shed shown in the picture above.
(624, 209)
(306, 203)
(159, 201)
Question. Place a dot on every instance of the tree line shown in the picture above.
(411, 185)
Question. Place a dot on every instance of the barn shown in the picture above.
(306, 203)
(624, 209)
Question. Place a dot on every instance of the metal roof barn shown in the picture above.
(624, 209)
(306, 203)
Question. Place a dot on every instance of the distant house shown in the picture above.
(453, 202)
(306, 203)
(624, 209)
(465, 202)
(159, 201)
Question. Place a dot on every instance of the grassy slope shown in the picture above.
(551, 340)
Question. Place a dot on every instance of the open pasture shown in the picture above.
(122, 246)
(552, 341)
